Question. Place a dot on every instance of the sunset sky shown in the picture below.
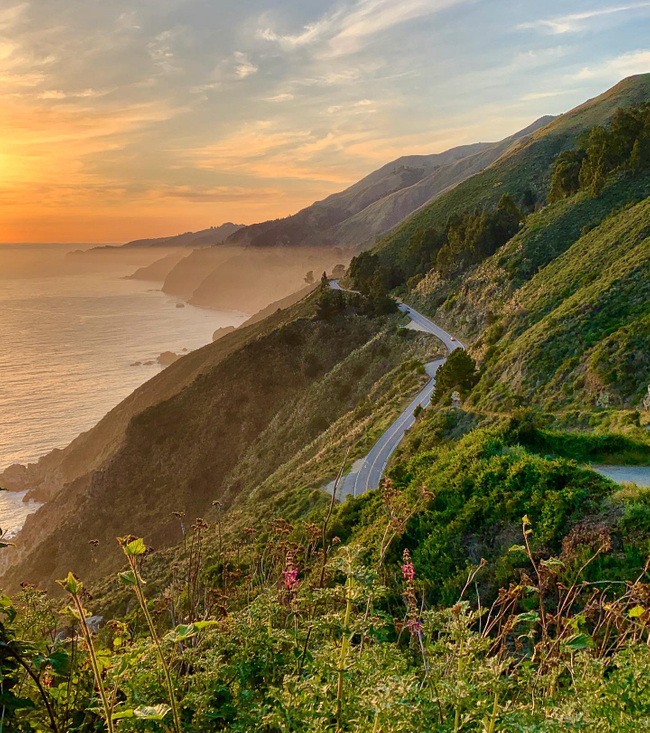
(125, 118)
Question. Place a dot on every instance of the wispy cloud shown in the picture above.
(215, 194)
(236, 66)
(627, 64)
(243, 65)
(347, 30)
(309, 34)
(578, 21)
(282, 97)
(59, 94)
(535, 96)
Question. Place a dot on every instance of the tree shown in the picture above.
(565, 180)
(457, 373)
(330, 304)
(338, 271)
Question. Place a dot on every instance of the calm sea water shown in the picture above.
(69, 333)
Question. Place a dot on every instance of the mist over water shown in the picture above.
(69, 331)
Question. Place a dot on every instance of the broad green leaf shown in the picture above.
(517, 548)
(137, 547)
(152, 712)
(578, 642)
(553, 563)
(127, 578)
(531, 616)
(187, 631)
(123, 714)
(71, 584)
(636, 612)
(205, 624)
(181, 632)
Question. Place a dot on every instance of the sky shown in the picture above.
(130, 118)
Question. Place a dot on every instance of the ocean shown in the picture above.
(70, 332)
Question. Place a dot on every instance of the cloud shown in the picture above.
(163, 49)
(577, 21)
(628, 64)
(236, 66)
(265, 150)
(282, 97)
(309, 34)
(203, 88)
(243, 65)
(348, 30)
(533, 97)
(217, 193)
(58, 94)
(10, 17)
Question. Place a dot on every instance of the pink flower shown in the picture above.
(414, 626)
(408, 571)
(291, 578)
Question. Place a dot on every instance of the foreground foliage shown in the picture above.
(485, 587)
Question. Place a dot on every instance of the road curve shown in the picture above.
(367, 472)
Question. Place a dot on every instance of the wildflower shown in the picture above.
(414, 626)
(408, 571)
(47, 680)
(290, 573)
(291, 578)
(410, 599)
(426, 494)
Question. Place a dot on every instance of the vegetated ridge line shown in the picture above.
(367, 472)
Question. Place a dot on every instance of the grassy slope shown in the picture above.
(485, 474)
(577, 333)
(525, 166)
(95, 447)
(468, 306)
(185, 451)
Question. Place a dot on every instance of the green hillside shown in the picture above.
(217, 437)
(577, 332)
(523, 167)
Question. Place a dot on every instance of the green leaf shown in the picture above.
(205, 624)
(127, 578)
(187, 631)
(181, 632)
(517, 548)
(152, 712)
(530, 616)
(137, 547)
(579, 642)
(552, 563)
(71, 584)
(122, 714)
(636, 612)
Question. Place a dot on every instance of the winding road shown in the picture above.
(366, 473)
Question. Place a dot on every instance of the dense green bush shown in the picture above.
(624, 144)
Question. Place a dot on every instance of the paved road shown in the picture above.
(367, 472)
(639, 475)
